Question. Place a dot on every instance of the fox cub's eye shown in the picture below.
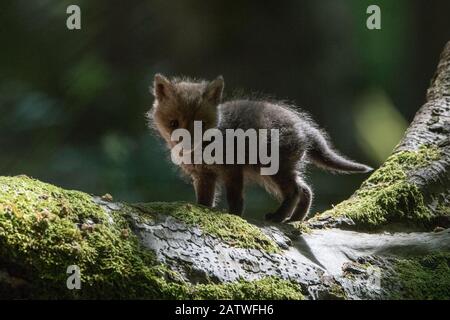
(173, 124)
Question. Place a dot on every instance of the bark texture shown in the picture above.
(431, 126)
(389, 240)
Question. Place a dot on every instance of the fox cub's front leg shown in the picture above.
(205, 188)
(234, 184)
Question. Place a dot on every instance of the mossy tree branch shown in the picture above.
(180, 250)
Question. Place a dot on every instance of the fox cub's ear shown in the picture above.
(214, 89)
(162, 87)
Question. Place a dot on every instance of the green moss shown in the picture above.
(302, 227)
(44, 229)
(387, 196)
(423, 278)
(230, 228)
(443, 209)
(337, 292)
(267, 288)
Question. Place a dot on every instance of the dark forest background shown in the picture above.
(73, 102)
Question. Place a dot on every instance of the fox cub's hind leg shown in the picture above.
(234, 184)
(205, 188)
(290, 191)
(304, 202)
(297, 197)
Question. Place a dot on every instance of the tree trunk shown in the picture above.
(389, 240)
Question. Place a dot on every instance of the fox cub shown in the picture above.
(180, 101)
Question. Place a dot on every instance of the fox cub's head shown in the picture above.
(178, 103)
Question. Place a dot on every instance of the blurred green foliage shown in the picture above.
(73, 102)
(379, 125)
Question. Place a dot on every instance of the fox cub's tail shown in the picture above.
(323, 156)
